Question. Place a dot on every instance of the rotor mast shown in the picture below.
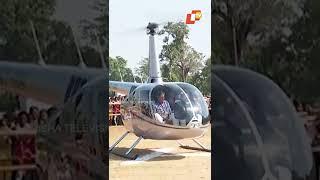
(154, 64)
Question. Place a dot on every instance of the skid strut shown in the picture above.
(117, 142)
(126, 155)
(203, 148)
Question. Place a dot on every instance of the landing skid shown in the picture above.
(127, 154)
(134, 157)
(201, 148)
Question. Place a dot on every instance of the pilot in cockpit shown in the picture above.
(161, 108)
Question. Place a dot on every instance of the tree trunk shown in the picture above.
(183, 76)
(235, 48)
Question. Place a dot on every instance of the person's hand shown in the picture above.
(158, 118)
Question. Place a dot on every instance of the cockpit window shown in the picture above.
(161, 103)
(199, 105)
(168, 103)
(171, 104)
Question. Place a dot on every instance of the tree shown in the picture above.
(57, 43)
(177, 56)
(143, 70)
(238, 24)
(303, 53)
(96, 32)
(16, 42)
(202, 79)
(97, 27)
(292, 61)
(118, 68)
(55, 38)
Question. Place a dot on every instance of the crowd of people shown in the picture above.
(310, 114)
(18, 141)
(114, 109)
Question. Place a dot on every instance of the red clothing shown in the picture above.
(116, 108)
(24, 149)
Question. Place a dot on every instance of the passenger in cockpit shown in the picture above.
(161, 108)
(180, 111)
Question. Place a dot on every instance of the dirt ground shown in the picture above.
(159, 160)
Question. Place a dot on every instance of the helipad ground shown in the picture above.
(159, 160)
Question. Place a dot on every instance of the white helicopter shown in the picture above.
(189, 116)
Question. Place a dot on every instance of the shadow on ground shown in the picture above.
(141, 153)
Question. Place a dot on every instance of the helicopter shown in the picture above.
(188, 119)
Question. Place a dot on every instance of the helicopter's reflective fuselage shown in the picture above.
(188, 116)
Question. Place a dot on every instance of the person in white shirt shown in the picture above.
(161, 108)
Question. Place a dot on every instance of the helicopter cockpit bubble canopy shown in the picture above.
(264, 135)
(178, 104)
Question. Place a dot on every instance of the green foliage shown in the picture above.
(98, 25)
(202, 79)
(55, 37)
(291, 60)
(16, 41)
(143, 70)
(253, 23)
(118, 68)
(56, 43)
(179, 59)
(96, 31)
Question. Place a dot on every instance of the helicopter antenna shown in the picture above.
(103, 63)
(154, 64)
(40, 61)
(81, 63)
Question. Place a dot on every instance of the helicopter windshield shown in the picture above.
(199, 105)
(179, 105)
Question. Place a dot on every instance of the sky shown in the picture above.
(127, 18)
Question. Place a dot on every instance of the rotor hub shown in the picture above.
(152, 28)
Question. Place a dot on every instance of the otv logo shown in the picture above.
(194, 16)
